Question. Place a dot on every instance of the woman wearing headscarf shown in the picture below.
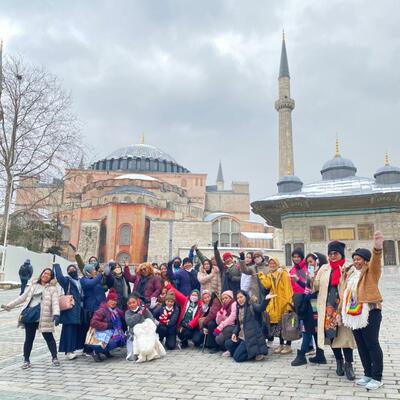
(209, 277)
(247, 341)
(190, 311)
(362, 311)
(277, 281)
(40, 311)
(329, 283)
(72, 332)
(107, 321)
(307, 312)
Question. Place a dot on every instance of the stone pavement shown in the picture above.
(189, 374)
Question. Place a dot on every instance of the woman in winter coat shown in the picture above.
(329, 283)
(247, 341)
(107, 321)
(167, 316)
(136, 313)
(224, 323)
(362, 311)
(307, 312)
(145, 283)
(72, 332)
(190, 311)
(277, 281)
(209, 277)
(211, 306)
(115, 279)
(41, 295)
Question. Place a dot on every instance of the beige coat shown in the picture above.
(211, 282)
(344, 338)
(49, 306)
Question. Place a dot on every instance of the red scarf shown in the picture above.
(336, 271)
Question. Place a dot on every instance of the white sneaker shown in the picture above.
(373, 384)
(226, 354)
(363, 381)
(71, 356)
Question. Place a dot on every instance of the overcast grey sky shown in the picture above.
(199, 78)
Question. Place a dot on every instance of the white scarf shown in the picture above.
(354, 321)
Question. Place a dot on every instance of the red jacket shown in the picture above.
(182, 300)
(300, 285)
(102, 317)
(153, 284)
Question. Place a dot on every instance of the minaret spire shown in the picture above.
(142, 139)
(285, 105)
(387, 158)
(220, 177)
(337, 154)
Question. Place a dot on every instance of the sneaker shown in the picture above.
(226, 354)
(363, 381)
(278, 349)
(71, 356)
(286, 350)
(26, 365)
(260, 357)
(55, 362)
(373, 384)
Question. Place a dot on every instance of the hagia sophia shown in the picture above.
(139, 203)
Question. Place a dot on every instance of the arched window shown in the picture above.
(227, 231)
(122, 257)
(125, 232)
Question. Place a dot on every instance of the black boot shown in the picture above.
(339, 368)
(348, 369)
(299, 360)
(96, 356)
(319, 357)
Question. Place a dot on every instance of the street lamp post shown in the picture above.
(6, 226)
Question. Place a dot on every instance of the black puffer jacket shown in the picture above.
(254, 338)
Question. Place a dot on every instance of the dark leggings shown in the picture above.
(368, 345)
(30, 333)
(347, 353)
(282, 342)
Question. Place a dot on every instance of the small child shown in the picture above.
(167, 316)
(135, 314)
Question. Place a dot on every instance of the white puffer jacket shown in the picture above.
(49, 305)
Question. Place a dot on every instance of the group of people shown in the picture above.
(229, 304)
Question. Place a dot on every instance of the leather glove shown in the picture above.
(56, 320)
(215, 245)
(241, 255)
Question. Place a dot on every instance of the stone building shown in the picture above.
(140, 204)
(341, 206)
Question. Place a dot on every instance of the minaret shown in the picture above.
(285, 105)
(220, 178)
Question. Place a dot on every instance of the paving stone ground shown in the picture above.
(189, 374)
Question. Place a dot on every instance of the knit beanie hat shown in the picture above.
(170, 296)
(298, 251)
(227, 293)
(87, 270)
(364, 253)
(258, 253)
(226, 255)
(187, 260)
(205, 291)
(195, 291)
(337, 246)
(112, 295)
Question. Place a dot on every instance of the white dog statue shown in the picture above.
(146, 344)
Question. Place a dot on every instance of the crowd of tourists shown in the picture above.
(236, 305)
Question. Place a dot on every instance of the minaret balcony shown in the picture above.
(286, 103)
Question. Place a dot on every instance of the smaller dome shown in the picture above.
(289, 183)
(387, 175)
(337, 168)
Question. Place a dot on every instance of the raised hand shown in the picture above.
(378, 240)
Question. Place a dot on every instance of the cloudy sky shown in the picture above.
(199, 78)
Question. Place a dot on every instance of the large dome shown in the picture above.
(139, 157)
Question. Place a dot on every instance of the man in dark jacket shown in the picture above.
(185, 278)
(25, 273)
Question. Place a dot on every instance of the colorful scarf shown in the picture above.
(166, 316)
(336, 271)
(354, 314)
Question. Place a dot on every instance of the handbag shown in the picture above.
(30, 315)
(290, 326)
(67, 301)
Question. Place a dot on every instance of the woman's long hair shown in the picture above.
(51, 275)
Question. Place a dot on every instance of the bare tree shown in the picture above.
(39, 135)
